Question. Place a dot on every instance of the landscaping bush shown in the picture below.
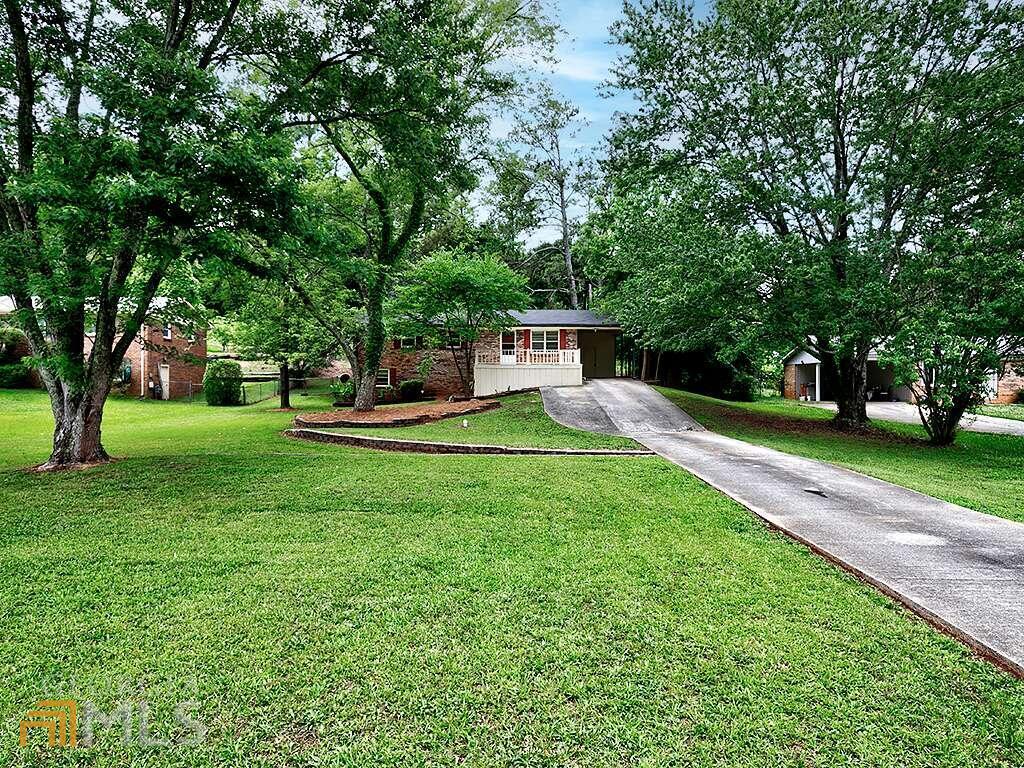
(410, 389)
(1019, 399)
(344, 392)
(14, 376)
(222, 383)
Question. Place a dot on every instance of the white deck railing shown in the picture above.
(530, 357)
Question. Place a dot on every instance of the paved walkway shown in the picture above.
(907, 413)
(960, 569)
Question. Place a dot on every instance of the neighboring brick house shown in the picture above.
(164, 355)
(160, 354)
(802, 380)
(1010, 383)
(545, 347)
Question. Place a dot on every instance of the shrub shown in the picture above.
(343, 391)
(222, 383)
(1019, 399)
(11, 340)
(14, 376)
(410, 389)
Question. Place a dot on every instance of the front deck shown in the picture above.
(518, 369)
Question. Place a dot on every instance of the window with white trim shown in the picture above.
(409, 343)
(508, 342)
(544, 340)
(383, 377)
(167, 332)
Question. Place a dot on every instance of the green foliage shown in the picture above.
(222, 382)
(14, 375)
(410, 389)
(343, 391)
(450, 296)
(273, 325)
(789, 126)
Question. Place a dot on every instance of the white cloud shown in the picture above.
(581, 66)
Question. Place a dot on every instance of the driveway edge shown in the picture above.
(977, 646)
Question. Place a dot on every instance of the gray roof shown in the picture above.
(563, 318)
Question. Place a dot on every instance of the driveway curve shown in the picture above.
(907, 414)
(961, 570)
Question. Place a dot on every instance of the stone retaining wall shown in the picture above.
(423, 446)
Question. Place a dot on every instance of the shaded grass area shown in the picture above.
(983, 472)
(1011, 411)
(519, 422)
(347, 607)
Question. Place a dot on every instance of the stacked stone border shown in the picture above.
(423, 446)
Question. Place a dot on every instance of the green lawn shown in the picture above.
(520, 421)
(325, 605)
(1012, 411)
(982, 472)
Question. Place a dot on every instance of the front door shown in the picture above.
(597, 353)
(508, 348)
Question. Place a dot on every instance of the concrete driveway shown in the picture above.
(907, 414)
(961, 570)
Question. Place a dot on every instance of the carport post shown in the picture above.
(817, 382)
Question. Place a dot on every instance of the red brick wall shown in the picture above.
(186, 375)
(1011, 382)
(443, 379)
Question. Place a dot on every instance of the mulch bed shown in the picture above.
(400, 416)
(424, 446)
(792, 425)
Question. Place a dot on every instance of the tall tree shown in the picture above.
(400, 105)
(127, 150)
(546, 132)
(829, 130)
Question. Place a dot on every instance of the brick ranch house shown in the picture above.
(803, 380)
(544, 347)
(161, 354)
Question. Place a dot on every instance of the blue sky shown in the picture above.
(585, 55)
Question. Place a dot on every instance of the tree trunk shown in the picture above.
(373, 348)
(851, 393)
(941, 423)
(77, 429)
(285, 385)
(574, 301)
(643, 364)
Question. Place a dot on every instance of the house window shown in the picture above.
(544, 340)
(167, 332)
(409, 343)
(508, 343)
(454, 341)
(383, 377)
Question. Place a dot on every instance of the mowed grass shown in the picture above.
(981, 471)
(331, 606)
(520, 421)
(1010, 411)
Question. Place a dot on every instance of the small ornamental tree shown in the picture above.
(222, 383)
(452, 299)
(274, 326)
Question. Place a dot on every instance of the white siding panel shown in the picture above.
(492, 379)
